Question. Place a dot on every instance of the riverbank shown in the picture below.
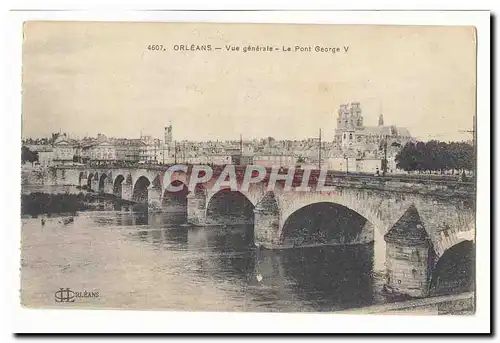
(455, 304)
(38, 203)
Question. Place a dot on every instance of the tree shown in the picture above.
(54, 138)
(436, 156)
(464, 156)
(405, 156)
(28, 156)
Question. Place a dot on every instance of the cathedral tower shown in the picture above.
(349, 116)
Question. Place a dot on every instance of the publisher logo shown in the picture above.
(66, 295)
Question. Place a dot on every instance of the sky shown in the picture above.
(85, 78)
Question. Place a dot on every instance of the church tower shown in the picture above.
(168, 134)
(381, 120)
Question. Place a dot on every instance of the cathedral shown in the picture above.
(355, 139)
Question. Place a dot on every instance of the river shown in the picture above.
(147, 262)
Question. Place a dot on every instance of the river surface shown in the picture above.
(155, 261)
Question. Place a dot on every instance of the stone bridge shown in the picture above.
(446, 208)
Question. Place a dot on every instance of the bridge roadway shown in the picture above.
(453, 181)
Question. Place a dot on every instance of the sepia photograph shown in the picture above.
(249, 167)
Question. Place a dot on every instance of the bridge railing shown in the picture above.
(332, 175)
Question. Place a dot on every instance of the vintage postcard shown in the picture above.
(249, 167)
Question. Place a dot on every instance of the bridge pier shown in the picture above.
(266, 223)
(154, 198)
(196, 208)
(94, 185)
(127, 191)
(108, 188)
(409, 256)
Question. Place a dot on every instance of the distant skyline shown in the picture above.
(90, 78)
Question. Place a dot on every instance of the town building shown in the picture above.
(269, 160)
(64, 151)
(343, 164)
(219, 159)
(103, 152)
(128, 150)
(151, 150)
(45, 156)
(83, 151)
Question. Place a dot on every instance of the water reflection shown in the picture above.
(320, 278)
(338, 275)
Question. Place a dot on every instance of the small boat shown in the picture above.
(69, 220)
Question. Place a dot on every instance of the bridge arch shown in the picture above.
(229, 207)
(170, 178)
(117, 185)
(102, 181)
(455, 270)
(175, 201)
(290, 203)
(326, 222)
(446, 239)
(140, 190)
(90, 177)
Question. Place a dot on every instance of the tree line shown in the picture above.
(436, 156)
(43, 141)
(28, 156)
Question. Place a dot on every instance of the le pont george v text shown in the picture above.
(261, 48)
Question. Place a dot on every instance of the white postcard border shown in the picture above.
(29, 320)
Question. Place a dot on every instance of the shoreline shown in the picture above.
(36, 203)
